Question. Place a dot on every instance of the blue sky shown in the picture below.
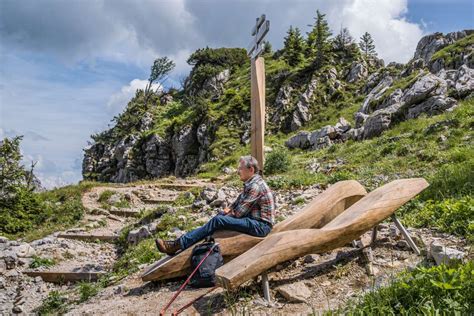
(67, 67)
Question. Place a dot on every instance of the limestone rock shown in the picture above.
(430, 44)
(300, 140)
(301, 113)
(296, 292)
(24, 251)
(136, 235)
(282, 103)
(444, 255)
(425, 87)
(379, 121)
(357, 72)
(432, 106)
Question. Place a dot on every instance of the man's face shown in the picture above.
(244, 172)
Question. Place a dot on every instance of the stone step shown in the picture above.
(159, 200)
(64, 277)
(179, 186)
(124, 213)
(89, 237)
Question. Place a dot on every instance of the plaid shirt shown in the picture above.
(256, 201)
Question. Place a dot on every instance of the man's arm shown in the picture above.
(244, 203)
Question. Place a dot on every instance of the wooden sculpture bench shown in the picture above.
(349, 225)
(324, 208)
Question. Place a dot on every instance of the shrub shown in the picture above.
(105, 196)
(87, 290)
(41, 262)
(428, 291)
(454, 216)
(277, 161)
(55, 303)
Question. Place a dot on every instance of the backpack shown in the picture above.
(205, 274)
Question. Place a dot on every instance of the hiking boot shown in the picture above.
(170, 247)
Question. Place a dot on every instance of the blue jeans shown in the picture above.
(246, 225)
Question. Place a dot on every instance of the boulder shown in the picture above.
(342, 125)
(295, 292)
(146, 122)
(24, 251)
(425, 87)
(300, 140)
(209, 194)
(445, 255)
(380, 121)
(376, 93)
(432, 106)
(136, 235)
(220, 199)
(464, 84)
(357, 72)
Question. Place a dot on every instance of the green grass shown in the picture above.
(439, 290)
(87, 290)
(54, 304)
(41, 262)
(55, 210)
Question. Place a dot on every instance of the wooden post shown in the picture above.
(258, 110)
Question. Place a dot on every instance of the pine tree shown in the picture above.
(293, 47)
(367, 46)
(267, 48)
(343, 39)
(318, 44)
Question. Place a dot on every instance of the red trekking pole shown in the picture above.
(162, 312)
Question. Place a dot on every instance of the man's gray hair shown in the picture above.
(250, 161)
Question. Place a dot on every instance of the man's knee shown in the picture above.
(218, 221)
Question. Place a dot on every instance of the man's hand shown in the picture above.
(227, 211)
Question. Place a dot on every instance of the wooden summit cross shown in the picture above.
(257, 78)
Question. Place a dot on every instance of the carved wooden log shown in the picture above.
(325, 207)
(353, 222)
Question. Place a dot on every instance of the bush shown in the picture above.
(277, 161)
(454, 216)
(428, 291)
(41, 262)
(87, 290)
(55, 303)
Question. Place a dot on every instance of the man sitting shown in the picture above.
(252, 213)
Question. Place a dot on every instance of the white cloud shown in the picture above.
(118, 101)
(395, 38)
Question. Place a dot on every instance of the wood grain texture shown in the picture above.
(324, 207)
(257, 110)
(353, 222)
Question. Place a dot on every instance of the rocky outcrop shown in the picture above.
(152, 156)
(320, 138)
(300, 114)
(427, 95)
(282, 103)
(358, 71)
(430, 44)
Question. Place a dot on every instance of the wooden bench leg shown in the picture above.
(374, 234)
(405, 234)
